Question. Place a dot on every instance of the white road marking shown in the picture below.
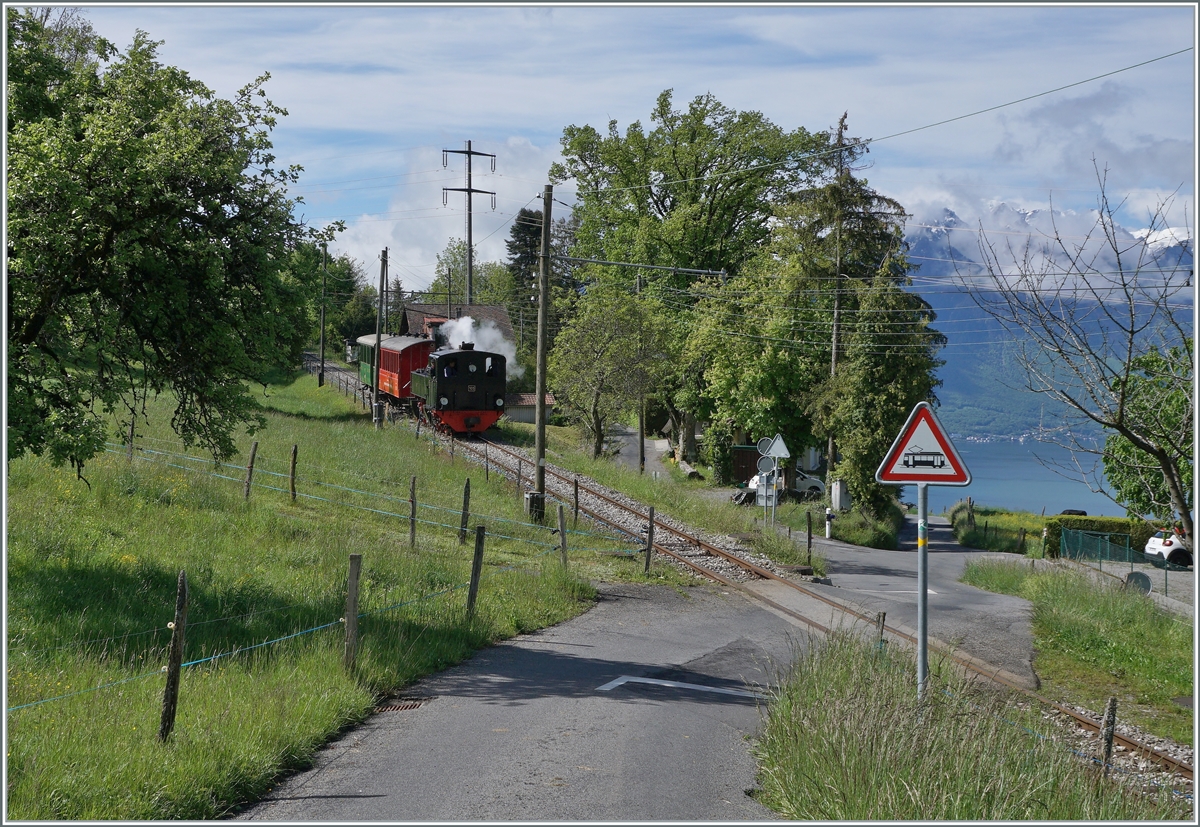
(741, 693)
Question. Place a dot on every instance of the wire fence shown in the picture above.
(1097, 548)
(195, 464)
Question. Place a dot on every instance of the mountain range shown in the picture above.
(981, 394)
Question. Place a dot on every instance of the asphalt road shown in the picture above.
(642, 709)
(528, 731)
(992, 628)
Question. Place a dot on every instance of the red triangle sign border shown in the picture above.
(888, 475)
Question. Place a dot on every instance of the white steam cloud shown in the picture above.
(486, 336)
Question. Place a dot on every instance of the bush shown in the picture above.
(1139, 531)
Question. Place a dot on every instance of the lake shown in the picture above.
(1008, 475)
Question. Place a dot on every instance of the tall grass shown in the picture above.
(1096, 640)
(846, 740)
(91, 586)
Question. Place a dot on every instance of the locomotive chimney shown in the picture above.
(467, 346)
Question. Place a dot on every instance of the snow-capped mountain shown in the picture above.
(944, 245)
(980, 392)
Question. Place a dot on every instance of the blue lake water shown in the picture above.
(1008, 475)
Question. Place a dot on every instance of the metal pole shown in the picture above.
(922, 589)
(543, 323)
(470, 263)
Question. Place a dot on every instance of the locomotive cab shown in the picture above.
(463, 389)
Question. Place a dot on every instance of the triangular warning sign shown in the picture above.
(923, 453)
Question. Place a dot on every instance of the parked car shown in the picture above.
(808, 488)
(1168, 545)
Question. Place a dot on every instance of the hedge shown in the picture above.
(1139, 531)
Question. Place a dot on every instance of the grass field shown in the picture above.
(1095, 641)
(92, 570)
(846, 740)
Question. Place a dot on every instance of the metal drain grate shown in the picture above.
(401, 704)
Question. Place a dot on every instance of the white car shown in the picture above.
(810, 488)
(1168, 545)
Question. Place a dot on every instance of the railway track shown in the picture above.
(722, 559)
(728, 563)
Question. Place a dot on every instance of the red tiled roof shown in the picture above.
(525, 400)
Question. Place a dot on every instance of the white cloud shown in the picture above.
(378, 91)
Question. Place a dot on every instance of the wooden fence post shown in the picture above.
(418, 429)
(487, 471)
(412, 514)
(462, 531)
(452, 441)
(562, 534)
(518, 477)
(476, 571)
(650, 540)
(295, 449)
(131, 439)
(577, 500)
(250, 468)
(174, 660)
(352, 611)
(1021, 540)
(879, 616)
(1106, 733)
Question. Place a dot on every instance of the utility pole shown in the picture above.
(468, 189)
(321, 372)
(837, 290)
(375, 417)
(543, 323)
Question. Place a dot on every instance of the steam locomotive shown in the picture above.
(456, 389)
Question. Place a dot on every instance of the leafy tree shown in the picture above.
(1099, 324)
(605, 358)
(491, 279)
(694, 192)
(149, 234)
(1158, 392)
(767, 337)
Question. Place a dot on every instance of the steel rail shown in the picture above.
(1162, 759)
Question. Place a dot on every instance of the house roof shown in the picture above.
(496, 313)
(525, 400)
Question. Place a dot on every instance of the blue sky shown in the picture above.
(375, 93)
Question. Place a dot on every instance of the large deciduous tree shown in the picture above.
(1103, 325)
(693, 192)
(149, 232)
(836, 256)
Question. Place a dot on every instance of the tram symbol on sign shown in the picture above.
(914, 457)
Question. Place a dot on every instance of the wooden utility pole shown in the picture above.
(468, 189)
(543, 322)
(378, 341)
(837, 291)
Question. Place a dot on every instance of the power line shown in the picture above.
(869, 141)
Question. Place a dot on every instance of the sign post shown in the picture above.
(772, 451)
(922, 454)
